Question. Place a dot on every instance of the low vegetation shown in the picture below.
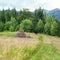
(14, 48)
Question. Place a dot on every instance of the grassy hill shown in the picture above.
(30, 48)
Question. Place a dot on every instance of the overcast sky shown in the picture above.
(30, 4)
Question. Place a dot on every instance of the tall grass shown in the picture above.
(39, 51)
(40, 37)
(7, 34)
(16, 53)
(46, 52)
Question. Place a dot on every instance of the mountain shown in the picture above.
(55, 12)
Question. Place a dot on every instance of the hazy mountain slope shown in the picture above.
(55, 12)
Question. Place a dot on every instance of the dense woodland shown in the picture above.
(37, 21)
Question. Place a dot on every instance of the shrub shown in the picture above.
(1, 26)
(26, 25)
(54, 28)
(40, 26)
(11, 28)
(7, 25)
(47, 28)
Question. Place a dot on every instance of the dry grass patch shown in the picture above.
(16, 48)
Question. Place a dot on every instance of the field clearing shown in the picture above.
(54, 40)
(48, 39)
(11, 36)
(30, 48)
(14, 48)
(21, 42)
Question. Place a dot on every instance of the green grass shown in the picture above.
(7, 34)
(15, 53)
(46, 52)
(40, 51)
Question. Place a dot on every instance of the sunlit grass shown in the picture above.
(27, 48)
(46, 52)
(40, 52)
(8, 34)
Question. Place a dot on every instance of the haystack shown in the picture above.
(21, 33)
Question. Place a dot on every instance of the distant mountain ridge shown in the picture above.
(55, 12)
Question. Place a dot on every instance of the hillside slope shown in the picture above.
(55, 12)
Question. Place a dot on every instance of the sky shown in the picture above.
(30, 4)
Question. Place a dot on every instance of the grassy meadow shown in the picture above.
(33, 47)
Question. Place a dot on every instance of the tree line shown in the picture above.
(37, 21)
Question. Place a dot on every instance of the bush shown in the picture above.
(1, 26)
(7, 25)
(54, 28)
(47, 28)
(40, 26)
(26, 25)
(11, 28)
(17, 27)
